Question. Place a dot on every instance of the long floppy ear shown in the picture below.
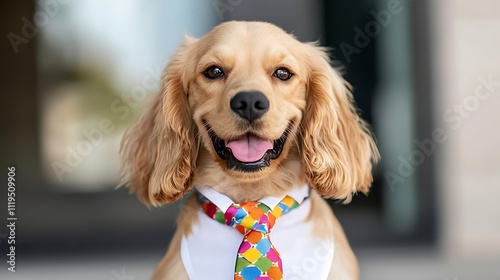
(337, 146)
(159, 152)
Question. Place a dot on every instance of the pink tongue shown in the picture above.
(249, 148)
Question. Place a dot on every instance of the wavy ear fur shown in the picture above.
(159, 152)
(337, 147)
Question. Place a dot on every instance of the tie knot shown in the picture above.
(250, 216)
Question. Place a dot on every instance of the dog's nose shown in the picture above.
(250, 105)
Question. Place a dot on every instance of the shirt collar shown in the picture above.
(223, 202)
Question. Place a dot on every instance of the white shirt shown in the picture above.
(209, 251)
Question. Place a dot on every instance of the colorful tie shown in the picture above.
(257, 258)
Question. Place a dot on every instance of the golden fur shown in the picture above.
(329, 146)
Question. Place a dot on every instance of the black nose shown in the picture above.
(250, 105)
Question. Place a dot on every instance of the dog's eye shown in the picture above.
(282, 74)
(213, 72)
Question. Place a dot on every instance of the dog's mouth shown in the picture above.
(248, 152)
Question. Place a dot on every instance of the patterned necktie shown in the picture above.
(257, 258)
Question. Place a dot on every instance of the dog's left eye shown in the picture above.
(282, 74)
(213, 72)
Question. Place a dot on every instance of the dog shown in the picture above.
(249, 113)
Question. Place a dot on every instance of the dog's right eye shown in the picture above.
(213, 72)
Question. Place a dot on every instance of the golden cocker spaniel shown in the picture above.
(249, 112)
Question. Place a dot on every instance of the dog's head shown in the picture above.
(249, 105)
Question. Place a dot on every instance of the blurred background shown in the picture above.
(426, 76)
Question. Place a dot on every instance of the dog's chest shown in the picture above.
(209, 252)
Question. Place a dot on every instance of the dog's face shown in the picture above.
(249, 105)
(247, 97)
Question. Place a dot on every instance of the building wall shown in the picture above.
(466, 57)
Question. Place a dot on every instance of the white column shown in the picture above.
(467, 43)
